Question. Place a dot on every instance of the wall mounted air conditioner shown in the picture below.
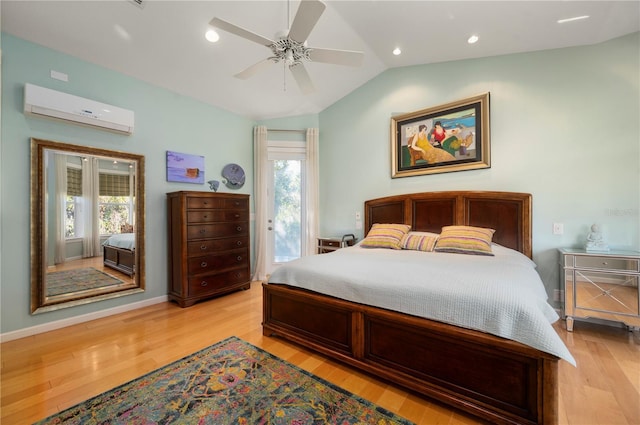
(40, 101)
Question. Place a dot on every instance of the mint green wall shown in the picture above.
(300, 122)
(163, 121)
(564, 127)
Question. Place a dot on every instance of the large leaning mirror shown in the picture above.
(87, 225)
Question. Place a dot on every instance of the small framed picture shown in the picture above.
(442, 139)
(185, 168)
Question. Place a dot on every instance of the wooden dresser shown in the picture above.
(208, 245)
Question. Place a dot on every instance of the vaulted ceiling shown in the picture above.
(163, 43)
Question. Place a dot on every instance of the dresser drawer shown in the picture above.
(604, 262)
(210, 216)
(209, 263)
(208, 246)
(221, 203)
(217, 230)
(212, 283)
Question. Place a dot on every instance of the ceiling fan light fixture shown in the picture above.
(473, 39)
(397, 51)
(290, 51)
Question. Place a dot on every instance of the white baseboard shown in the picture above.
(34, 330)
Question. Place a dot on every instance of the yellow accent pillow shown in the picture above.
(385, 236)
(419, 242)
(465, 240)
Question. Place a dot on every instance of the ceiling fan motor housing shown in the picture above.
(290, 51)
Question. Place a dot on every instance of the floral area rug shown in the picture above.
(76, 280)
(231, 382)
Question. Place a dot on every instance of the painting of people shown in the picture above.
(451, 137)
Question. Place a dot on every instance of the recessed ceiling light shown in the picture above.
(397, 51)
(122, 32)
(472, 39)
(212, 36)
(577, 18)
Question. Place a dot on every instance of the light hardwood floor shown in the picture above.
(45, 373)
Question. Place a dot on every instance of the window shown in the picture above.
(115, 201)
(74, 193)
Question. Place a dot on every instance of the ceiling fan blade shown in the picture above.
(337, 57)
(254, 69)
(239, 31)
(302, 78)
(306, 18)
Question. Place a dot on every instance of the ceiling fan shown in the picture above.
(291, 48)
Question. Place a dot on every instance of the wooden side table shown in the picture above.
(326, 245)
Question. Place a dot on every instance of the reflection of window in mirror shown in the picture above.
(91, 235)
(116, 180)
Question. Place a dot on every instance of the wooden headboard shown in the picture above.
(509, 213)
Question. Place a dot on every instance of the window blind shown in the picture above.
(74, 181)
(114, 185)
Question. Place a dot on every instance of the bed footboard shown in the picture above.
(119, 259)
(493, 378)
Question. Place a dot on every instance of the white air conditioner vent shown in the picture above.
(40, 101)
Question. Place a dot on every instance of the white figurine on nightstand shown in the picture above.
(595, 242)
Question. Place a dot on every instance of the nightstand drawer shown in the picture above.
(607, 292)
(608, 263)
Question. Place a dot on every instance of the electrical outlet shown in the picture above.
(558, 228)
(358, 217)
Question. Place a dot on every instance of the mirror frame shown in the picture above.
(39, 302)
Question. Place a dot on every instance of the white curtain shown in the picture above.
(60, 205)
(90, 215)
(260, 199)
(312, 190)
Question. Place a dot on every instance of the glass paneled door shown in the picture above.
(286, 220)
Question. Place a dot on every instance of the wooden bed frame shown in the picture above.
(499, 380)
(120, 259)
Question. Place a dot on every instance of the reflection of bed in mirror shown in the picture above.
(119, 252)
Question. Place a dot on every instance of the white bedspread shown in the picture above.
(122, 240)
(501, 295)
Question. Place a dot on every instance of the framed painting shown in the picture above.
(185, 168)
(442, 139)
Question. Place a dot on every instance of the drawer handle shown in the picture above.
(237, 215)
(203, 247)
(239, 243)
(239, 228)
(204, 283)
(205, 202)
(205, 216)
(604, 263)
(203, 231)
(238, 274)
(237, 203)
(203, 264)
(239, 258)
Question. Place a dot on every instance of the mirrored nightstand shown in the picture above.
(601, 285)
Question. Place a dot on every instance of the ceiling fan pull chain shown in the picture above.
(284, 76)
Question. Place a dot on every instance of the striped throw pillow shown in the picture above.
(465, 240)
(385, 236)
(418, 242)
